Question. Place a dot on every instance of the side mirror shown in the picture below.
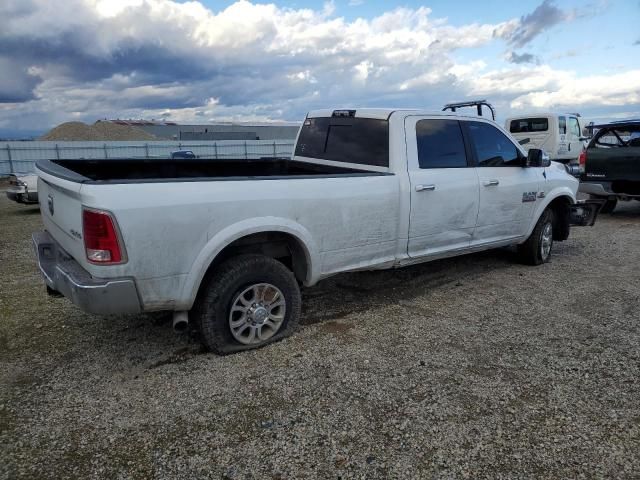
(537, 158)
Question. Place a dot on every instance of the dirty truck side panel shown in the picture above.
(172, 233)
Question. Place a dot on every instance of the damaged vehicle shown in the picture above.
(23, 188)
(610, 165)
(226, 244)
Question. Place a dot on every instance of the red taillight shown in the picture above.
(582, 160)
(101, 240)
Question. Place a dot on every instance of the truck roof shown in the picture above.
(619, 123)
(384, 113)
(544, 114)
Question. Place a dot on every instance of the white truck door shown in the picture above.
(508, 192)
(444, 186)
(574, 144)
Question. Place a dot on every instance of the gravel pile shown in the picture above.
(474, 367)
(102, 131)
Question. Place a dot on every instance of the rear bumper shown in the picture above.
(602, 189)
(14, 196)
(22, 195)
(64, 275)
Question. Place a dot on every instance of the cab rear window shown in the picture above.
(526, 125)
(363, 141)
(624, 136)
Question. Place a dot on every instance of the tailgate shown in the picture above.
(61, 209)
(611, 164)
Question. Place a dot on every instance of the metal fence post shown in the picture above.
(215, 149)
(106, 154)
(146, 149)
(10, 159)
(275, 154)
(57, 152)
(246, 150)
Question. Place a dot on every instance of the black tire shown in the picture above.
(531, 251)
(609, 205)
(212, 311)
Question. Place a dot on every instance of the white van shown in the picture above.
(561, 135)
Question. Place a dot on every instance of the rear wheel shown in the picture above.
(251, 301)
(537, 249)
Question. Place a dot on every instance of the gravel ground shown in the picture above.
(474, 367)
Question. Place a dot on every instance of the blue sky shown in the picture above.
(241, 60)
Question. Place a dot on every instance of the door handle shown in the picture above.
(491, 183)
(423, 188)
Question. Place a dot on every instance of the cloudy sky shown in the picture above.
(242, 60)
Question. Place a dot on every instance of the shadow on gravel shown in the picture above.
(339, 296)
(630, 210)
(26, 211)
(331, 300)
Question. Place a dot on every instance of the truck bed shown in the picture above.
(129, 170)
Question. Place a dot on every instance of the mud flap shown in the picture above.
(584, 212)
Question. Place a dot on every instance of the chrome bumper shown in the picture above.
(64, 275)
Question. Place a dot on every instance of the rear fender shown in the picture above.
(234, 232)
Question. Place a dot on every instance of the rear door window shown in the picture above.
(526, 125)
(363, 141)
(492, 147)
(440, 144)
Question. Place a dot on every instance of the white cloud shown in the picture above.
(362, 70)
(611, 90)
(139, 58)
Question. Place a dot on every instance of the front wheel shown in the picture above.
(537, 249)
(251, 301)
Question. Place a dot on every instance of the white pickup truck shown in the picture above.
(226, 244)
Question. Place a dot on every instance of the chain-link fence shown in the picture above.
(20, 157)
